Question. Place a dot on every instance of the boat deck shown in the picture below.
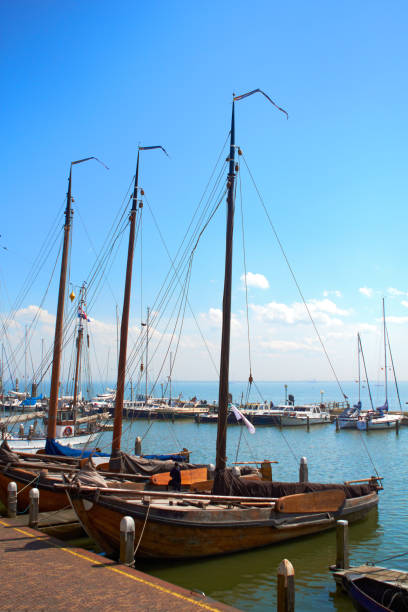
(43, 574)
(381, 574)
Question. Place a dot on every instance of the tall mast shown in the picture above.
(221, 458)
(385, 354)
(79, 343)
(147, 349)
(359, 369)
(56, 361)
(171, 356)
(58, 338)
(25, 359)
(42, 358)
(120, 385)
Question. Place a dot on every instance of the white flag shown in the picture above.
(239, 416)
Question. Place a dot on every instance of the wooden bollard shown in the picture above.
(34, 506)
(266, 470)
(286, 587)
(12, 500)
(127, 540)
(342, 546)
(337, 424)
(303, 470)
(308, 423)
(138, 445)
(397, 424)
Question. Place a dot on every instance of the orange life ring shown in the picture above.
(67, 431)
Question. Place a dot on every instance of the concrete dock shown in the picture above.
(39, 572)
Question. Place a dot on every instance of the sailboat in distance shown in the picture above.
(239, 513)
(380, 418)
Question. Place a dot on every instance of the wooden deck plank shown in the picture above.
(381, 574)
(43, 574)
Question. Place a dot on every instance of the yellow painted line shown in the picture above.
(118, 571)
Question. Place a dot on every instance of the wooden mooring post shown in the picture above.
(308, 423)
(34, 507)
(303, 470)
(337, 424)
(342, 545)
(127, 540)
(12, 500)
(286, 587)
(397, 425)
(138, 445)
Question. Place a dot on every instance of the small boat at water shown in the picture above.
(378, 419)
(312, 414)
(375, 589)
(282, 416)
(67, 431)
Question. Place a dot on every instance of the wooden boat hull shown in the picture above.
(50, 498)
(171, 532)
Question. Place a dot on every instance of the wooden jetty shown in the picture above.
(44, 573)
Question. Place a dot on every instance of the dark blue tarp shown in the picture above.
(31, 401)
(52, 447)
(177, 458)
(55, 448)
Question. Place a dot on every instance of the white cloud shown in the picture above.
(214, 318)
(31, 311)
(404, 303)
(287, 346)
(366, 291)
(255, 280)
(396, 292)
(397, 320)
(322, 311)
(368, 327)
(334, 292)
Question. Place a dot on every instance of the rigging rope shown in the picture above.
(294, 279)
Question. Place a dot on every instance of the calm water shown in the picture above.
(248, 580)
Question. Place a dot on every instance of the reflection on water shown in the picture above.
(248, 580)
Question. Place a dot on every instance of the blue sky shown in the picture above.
(98, 78)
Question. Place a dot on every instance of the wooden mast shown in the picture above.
(79, 345)
(221, 458)
(56, 361)
(59, 323)
(120, 385)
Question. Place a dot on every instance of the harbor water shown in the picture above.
(248, 580)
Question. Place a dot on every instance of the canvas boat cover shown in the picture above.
(227, 483)
(129, 464)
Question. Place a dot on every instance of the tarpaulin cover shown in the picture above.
(7, 455)
(226, 483)
(52, 447)
(128, 464)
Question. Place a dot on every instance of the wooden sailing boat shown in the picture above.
(14, 468)
(238, 514)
